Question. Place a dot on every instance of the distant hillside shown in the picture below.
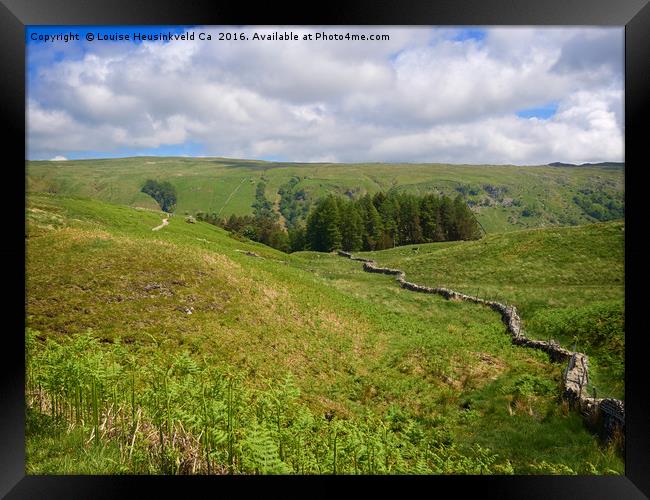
(503, 198)
(605, 164)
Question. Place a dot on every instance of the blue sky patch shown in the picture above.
(541, 112)
(470, 34)
(185, 149)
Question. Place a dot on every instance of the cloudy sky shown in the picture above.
(511, 95)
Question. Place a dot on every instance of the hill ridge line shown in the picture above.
(607, 414)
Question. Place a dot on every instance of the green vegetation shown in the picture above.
(185, 350)
(370, 223)
(263, 226)
(567, 283)
(163, 192)
(177, 415)
(386, 220)
(294, 203)
(262, 207)
(598, 329)
(503, 198)
(601, 205)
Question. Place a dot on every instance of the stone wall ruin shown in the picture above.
(606, 416)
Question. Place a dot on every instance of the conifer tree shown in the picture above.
(388, 210)
(446, 218)
(465, 225)
(430, 218)
(372, 223)
(323, 234)
(351, 227)
(409, 221)
(297, 240)
(400, 219)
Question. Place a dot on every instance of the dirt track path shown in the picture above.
(164, 223)
(230, 196)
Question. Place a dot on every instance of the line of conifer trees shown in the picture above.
(383, 221)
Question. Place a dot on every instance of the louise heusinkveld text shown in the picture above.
(275, 36)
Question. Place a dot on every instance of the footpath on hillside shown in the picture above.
(164, 223)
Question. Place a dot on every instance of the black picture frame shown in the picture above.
(16, 14)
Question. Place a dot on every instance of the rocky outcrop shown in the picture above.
(606, 415)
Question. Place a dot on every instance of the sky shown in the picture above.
(479, 95)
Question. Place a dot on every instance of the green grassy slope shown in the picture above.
(504, 197)
(567, 282)
(406, 382)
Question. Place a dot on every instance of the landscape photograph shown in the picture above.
(306, 250)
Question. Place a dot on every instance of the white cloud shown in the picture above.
(422, 96)
(59, 158)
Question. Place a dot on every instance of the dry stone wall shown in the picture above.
(607, 416)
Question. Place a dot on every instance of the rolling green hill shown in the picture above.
(567, 283)
(183, 350)
(503, 198)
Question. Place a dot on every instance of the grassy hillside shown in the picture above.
(180, 351)
(504, 198)
(567, 282)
